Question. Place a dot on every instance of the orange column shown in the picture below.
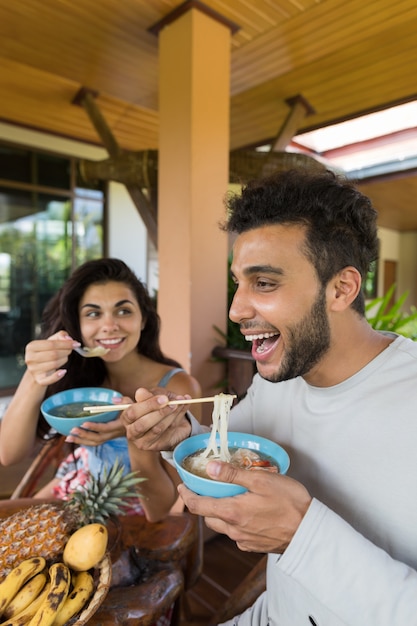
(194, 94)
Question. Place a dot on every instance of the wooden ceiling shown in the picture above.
(345, 57)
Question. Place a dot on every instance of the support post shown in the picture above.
(194, 97)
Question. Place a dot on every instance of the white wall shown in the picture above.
(127, 233)
(408, 267)
(400, 247)
(389, 251)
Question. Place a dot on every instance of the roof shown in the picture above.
(344, 57)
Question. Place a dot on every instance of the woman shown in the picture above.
(102, 304)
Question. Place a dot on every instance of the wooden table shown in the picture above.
(162, 547)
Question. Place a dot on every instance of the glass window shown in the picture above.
(88, 221)
(44, 235)
(52, 171)
(15, 164)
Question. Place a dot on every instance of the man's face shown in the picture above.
(279, 302)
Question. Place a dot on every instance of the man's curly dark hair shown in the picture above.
(340, 221)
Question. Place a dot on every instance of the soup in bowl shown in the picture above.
(253, 452)
(65, 410)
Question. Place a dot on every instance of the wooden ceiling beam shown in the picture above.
(299, 109)
(87, 99)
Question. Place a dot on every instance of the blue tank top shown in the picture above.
(116, 449)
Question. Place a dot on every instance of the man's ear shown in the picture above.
(344, 287)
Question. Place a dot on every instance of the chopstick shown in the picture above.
(194, 400)
(103, 408)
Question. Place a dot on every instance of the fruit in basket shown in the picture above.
(83, 586)
(44, 529)
(15, 580)
(58, 595)
(24, 616)
(58, 591)
(27, 594)
(86, 547)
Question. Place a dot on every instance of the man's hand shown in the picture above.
(152, 425)
(264, 519)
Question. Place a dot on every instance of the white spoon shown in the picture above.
(88, 352)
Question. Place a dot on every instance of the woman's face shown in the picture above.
(110, 317)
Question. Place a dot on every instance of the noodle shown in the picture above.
(242, 458)
(220, 417)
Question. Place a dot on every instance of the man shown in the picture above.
(340, 397)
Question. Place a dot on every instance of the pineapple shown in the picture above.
(44, 529)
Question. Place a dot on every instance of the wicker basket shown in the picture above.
(102, 576)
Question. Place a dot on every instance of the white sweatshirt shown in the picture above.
(353, 560)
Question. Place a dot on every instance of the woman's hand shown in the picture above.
(45, 357)
(152, 425)
(95, 433)
(264, 519)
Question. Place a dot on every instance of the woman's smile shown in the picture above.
(110, 317)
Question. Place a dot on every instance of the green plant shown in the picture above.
(382, 316)
(233, 338)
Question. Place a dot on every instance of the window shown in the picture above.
(50, 223)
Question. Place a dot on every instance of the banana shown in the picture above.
(26, 615)
(17, 578)
(26, 595)
(60, 583)
(77, 598)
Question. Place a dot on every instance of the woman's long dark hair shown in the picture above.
(62, 313)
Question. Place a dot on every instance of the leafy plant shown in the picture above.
(381, 316)
(233, 338)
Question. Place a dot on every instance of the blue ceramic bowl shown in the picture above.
(217, 489)
(78, 397)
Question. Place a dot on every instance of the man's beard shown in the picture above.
(308, 341)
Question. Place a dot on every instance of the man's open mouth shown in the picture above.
(262, 341)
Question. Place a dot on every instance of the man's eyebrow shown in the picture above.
(263, 269)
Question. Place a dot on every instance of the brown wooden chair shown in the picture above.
(243, 596)
(47, 462)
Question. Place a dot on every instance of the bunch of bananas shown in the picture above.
(33, 594)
